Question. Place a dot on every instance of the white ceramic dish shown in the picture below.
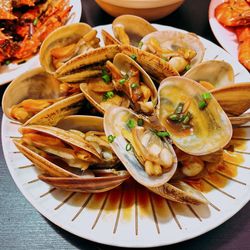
(10, 72)
(225, 36)
(130, 216)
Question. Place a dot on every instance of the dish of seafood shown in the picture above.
(23, 27)
(229, 21)
(130, 131)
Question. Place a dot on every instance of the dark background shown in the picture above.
(22, 227)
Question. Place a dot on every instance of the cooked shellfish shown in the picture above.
(196, 122)
(66, 43)
(181, 50)
(36, 97)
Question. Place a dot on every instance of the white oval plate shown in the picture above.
(130, 216)
(225, 36)
(13, 70)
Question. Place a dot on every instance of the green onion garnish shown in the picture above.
(188, 67)
(106, 78)
(206, 96)
(187, 118)
(111, 138)
(162, 133)
(133, 56)
(35, 21)
(131, 123)
(140, 45)
(140, 122)
(122, 81)
(202, 104)
(7, 62)
(174, 117)
(134, 85)
(179, 108)
(128, 147)
(108, 95)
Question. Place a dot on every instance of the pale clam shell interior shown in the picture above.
(218, 73)
(169, 39)
(115, 119)
(211, 128)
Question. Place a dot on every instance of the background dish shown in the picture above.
(225, 36)
(10, 72)
(129, 223)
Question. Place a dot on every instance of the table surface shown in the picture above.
(22, 227)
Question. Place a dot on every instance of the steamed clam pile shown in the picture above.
(167, 116)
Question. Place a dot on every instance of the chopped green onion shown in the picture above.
(106, 78)
(179, 108)
(165, 59)
(35, 21)
(174, 117)
(202, 104)
(111, 138)
(131, 123)
(134, 85)
(187, 118)
(133, 56)
(140, 122)
(108, 95)
(188, 67)
(140, 45)
(128, 147)
(162, 133)
(7, 62)
(206, 96)
(122, 81)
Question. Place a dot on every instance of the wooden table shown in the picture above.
(22, 227)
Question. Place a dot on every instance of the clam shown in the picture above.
(86, 65)
(235, 101)
(72, 156)
(129, 29)
(155, 66)
(181, 50)
(108, 39)
(65, 43)
(212, 74)
(150, 159)
(196, 122)
(130, 86)
(36, 97)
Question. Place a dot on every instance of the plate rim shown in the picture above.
(226, 216)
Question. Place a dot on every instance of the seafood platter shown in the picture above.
(129, 130)
(23, 27)
(230, 22)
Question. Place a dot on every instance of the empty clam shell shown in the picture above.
(217, 73)
(207, 129)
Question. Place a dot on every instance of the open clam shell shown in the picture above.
(217, 73)
(172, 41)
(209, 129)
(72, 39)
(86, 65)
(235, 101)
(130, 29)
(62, 175)
(108, 39)
(123, 92)
(155, 66)
(115, 122)
(38, 84)
(103, 181)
